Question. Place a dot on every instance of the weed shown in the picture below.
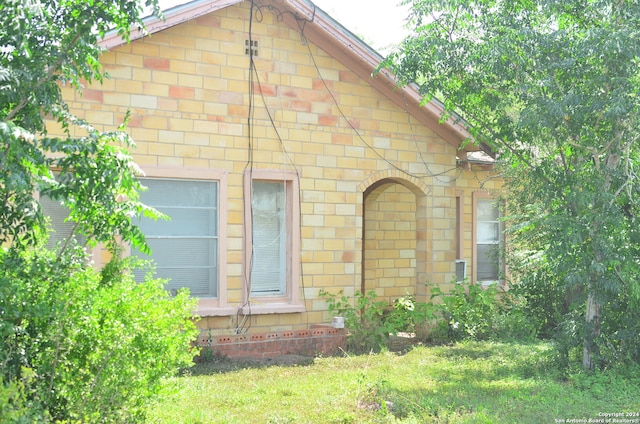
(469, 311)
(370, 321)
(283, 419)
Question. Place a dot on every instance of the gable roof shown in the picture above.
(329, 35)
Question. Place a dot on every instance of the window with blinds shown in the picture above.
(184, 248)
(488, 240)
(269, 237)
(60, 229)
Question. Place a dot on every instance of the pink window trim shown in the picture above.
(291, 301)
(207, 306)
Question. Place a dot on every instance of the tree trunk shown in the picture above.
(593, 316)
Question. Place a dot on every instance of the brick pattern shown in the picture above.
(187, 90)
(319, 340)
(390, 242)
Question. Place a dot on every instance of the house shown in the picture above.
(288, 168)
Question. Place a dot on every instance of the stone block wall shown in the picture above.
(188, 91)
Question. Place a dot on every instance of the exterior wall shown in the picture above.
(390, 241)
(189, 95)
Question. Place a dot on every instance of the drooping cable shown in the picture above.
(279, 17)
(356, 131)
(435, 176)
(243, 314)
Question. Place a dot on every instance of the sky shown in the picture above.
(379, 23)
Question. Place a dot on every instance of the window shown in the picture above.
(185, 248)
(57, 213)
(269, 267)
(488, 241)
(272, 244)
(59, 228)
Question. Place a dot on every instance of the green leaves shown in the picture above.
(370, 322)
(97, 180)
(553, 86)
(77, 345)
(45, 44)
(98, 351)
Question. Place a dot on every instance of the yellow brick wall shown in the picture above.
(390, 241)
(187, 89)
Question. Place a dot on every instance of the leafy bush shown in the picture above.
(468, 311)
(617, 345)
(364, 321)
(97, 344)
(555, 305)
(14, 407)
(512, 322)
(619, 340)
(547, 301)
(476, 312)
(409, 315)
(370, 322)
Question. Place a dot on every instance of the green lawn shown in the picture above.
(466, 383)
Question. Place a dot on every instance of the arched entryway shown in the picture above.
(394, 247)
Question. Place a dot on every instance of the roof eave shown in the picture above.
(336, 40)
(173, 16)
(355, 54)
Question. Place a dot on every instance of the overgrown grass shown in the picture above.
(470, 382)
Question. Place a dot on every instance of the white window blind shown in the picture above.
(59, 229)
(488, 239)
(269, 230)
(185, 248)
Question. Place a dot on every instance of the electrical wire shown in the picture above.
(435, 176)
(279, 17)
(243, 317)
(301, 25)
(361, 138)
(243, 320)
(243, 314)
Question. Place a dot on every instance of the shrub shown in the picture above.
(547, 300)
(512, 322)
(370, 322)
(411, 316)
(555, 304)
(97, 343)
(476, 312)
(363, 321)
(14, 407)
(468, 311)
(618, 344)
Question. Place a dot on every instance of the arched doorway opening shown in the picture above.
(394, 249)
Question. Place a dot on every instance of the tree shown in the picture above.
(76, 343)
(44, 45)
(553, 87)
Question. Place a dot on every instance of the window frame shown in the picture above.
(477, 197)
(289, 302)
(207, 306)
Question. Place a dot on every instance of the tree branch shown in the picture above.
(47, 77)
